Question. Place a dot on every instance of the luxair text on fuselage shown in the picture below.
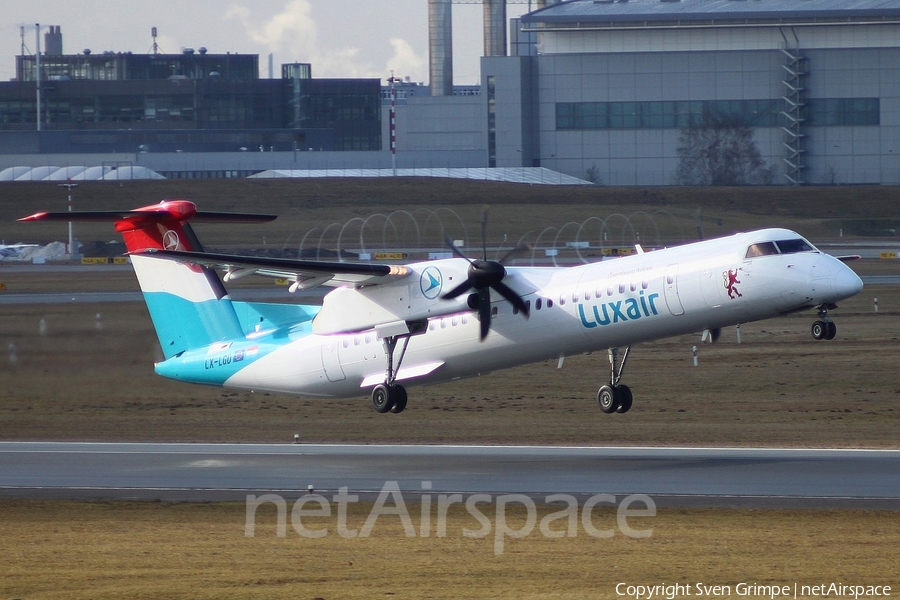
(618, 311)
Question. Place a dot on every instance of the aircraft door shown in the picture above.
(671, 291)
(331, 361)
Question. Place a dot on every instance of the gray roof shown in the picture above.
(624, 11)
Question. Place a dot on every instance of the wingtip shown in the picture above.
(35, 217)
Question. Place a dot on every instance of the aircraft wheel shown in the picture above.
(382, 398)
(607, 398)
(819, 329)
(400, 399)
(830, 330)
(623, 393)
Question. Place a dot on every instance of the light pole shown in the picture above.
(392, 80)
(69, 187)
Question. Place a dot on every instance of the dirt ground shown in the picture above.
(657, 215)
(91, 379)
(89, 375)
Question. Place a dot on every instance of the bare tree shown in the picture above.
(719, 150)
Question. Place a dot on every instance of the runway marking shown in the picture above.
(241, 449)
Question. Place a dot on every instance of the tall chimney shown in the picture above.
(440, 47)
(494, 27)
(53, 41)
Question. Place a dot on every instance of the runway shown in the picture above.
(671, 476)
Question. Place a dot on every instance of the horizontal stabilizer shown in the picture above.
(294, 270)
(178, 210)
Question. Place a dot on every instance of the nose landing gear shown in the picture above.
(824, 328)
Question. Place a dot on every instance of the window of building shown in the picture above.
(679, 114)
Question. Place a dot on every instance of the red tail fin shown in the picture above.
(162, 226)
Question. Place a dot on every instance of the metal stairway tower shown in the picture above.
(796, 73)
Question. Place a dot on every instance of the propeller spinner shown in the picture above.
(483, 276)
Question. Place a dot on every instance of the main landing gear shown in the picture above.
(824, 328)
(615, 397)
(390, 396)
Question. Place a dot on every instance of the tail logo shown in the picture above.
(170, 240)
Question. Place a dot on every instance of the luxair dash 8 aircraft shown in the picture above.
(385, 327)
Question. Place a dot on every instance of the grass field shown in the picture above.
(86, 374)
(158, 550)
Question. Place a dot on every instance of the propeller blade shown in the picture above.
(513, 252)
(459, 290)
(511, 297)
(485, 275)
(456, 250)
(484, 311)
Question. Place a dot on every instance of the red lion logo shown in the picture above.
(731, 278)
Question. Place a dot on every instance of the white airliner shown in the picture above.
(385, 327)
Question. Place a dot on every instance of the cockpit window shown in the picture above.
(780, 247)
(761, 249)
(794, 246)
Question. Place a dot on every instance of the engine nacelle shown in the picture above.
(415, 297)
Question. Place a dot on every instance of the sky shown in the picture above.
(341, 38)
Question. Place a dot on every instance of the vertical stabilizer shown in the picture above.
(188, 304)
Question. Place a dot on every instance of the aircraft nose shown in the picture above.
(846, 282)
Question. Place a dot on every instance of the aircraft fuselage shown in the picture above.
(609, 304)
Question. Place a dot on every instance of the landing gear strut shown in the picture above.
(390, 396)
(824, 328)
(615, 397)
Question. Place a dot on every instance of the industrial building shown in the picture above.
(187, 102)
(616, 81)
(603, 90)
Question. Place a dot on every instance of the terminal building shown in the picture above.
(603, 90)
